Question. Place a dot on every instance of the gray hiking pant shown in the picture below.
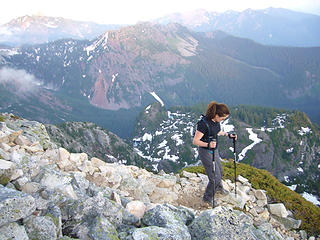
(214, 174)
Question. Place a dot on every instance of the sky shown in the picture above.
(133, 11)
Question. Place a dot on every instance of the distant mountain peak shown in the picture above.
(270, 26)
(37, 29)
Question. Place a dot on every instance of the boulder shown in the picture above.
(97, 228)
(156, 233)
(167, 181)
(163, 195)
(102, 229)
(224, 223)
(78, 159)
(31, 187)
(17, 173)
(13, 231)
(40, 228)
(136, 208)
(100, 204)
(288, 222)
(57, 181)
(6, 171)
(4, 155)
(5, 147)
(169, 217)
(260, 194)
(242, 179)
(64, 158)
(96, 162)
(235, 200)
(20, 182)
(13, 136)
(278, 209)
(268, 232)
(188, 175)
(79, 181)
(14, 205)
(54, 213)
(22, 141)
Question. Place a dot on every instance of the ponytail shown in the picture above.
(215, 108)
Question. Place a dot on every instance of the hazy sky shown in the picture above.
(132, 11)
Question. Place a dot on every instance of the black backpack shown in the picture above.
(203, 118)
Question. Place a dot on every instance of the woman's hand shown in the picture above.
(212, 144)
(232, 135)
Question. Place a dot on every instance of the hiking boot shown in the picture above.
(207, 204)
(222, 191)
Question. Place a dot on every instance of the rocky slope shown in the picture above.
(95, 141)
(49, 193)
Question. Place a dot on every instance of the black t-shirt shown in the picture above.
(214, 129)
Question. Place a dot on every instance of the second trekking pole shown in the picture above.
(235, 165)
(214, 175)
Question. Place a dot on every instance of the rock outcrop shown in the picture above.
(48, 193)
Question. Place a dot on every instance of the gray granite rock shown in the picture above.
(14, 205)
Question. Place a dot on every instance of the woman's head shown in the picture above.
(218, 111)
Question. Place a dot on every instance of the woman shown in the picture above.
(215, 113)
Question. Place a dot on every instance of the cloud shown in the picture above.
(23, 81)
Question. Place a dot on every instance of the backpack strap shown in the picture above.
(207, 124)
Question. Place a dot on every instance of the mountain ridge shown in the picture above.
(35, 29)
(271, 26)
(122, 69)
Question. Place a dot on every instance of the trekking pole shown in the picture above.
(235, 165)
(213, 169)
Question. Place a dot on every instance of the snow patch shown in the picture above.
(147, 109)
(167, 156)
(157, 98)
(8, 52)
(290, 150)
(50, 25)
(114, 77)
(253, 137)
(103, 41)
(278, 122)
(163, 144)
(147, 137)
(225, 127)
(158, 133)
(293, 187)
(304, 131)
(311, 198)
(300, 169)
(177, 137)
